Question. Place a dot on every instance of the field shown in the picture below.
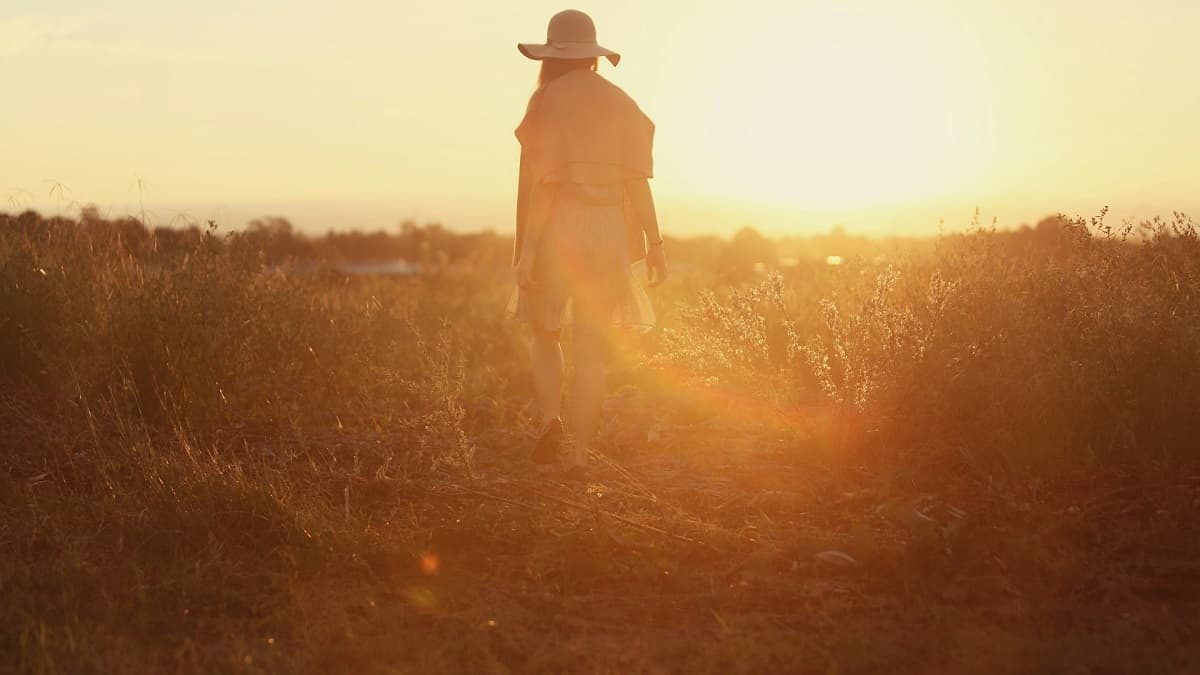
(225, 453)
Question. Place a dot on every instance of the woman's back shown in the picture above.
(582, 128)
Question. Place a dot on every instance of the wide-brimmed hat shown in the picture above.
(570, 35)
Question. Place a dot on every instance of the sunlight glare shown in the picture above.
(838, 109)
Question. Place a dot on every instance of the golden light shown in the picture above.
(835, 108)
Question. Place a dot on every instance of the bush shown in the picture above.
(215, 341)
(1076, 348)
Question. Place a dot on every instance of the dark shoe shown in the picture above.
(549, 444)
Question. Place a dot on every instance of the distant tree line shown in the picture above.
(276, 241)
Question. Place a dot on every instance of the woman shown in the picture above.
(584, 215)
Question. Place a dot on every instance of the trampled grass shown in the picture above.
(220, 457)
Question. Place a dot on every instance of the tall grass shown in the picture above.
(192, 427)
(216, 340)
(201, 438)
(1076, 343)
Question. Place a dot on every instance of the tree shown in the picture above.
(747, 249)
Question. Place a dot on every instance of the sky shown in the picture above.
(791, 116)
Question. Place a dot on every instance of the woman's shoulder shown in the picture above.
(591, 81)
(576, 101)
(534, 99)
(585, 90)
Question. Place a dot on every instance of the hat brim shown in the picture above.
(568, 50)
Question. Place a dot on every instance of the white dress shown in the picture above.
(582, 267)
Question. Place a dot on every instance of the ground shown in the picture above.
(721, 550)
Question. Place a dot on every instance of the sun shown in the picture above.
(833, 109)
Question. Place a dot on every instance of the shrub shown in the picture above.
(1076, 347)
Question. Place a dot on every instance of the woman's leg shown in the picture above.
(588, 346)
(546, 358)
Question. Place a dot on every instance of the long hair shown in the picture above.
(552, 68)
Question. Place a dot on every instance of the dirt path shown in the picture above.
(711, 553)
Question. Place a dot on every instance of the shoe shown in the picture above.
(549, 444)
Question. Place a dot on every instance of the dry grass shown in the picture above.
(976, 460)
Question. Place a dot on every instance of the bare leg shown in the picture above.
(545, 356)
(588, 355)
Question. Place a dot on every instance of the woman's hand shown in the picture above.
(524, 272)
(656, 264)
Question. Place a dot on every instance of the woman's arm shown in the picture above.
(642, 203)
(642, 206)
(524, 182)
(540, 198)
(537, 215)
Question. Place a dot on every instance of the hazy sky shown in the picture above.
(792, 116)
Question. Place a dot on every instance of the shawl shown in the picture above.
(581, 128)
